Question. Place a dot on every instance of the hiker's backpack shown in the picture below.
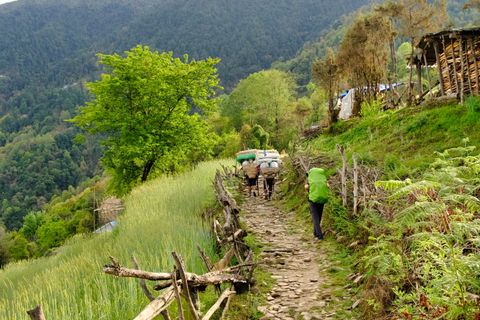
(318, 192)
(251, 170)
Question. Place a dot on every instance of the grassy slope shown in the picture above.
(160, 216)
(403, 142)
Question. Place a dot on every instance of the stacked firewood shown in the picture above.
(460, 65)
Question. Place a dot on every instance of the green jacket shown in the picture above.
(318, 188)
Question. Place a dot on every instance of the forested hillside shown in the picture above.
(301, 64)
(48, 50)
(54, 42)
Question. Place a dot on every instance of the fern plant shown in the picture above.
(429, 250)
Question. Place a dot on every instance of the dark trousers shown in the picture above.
(316, 210)
(269, 183)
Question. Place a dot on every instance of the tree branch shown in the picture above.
(147, 292)
(185, 286)
(226, 294)
(157, 306)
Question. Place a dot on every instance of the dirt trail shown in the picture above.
(298, 264)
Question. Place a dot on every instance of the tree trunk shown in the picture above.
(331, 106)
(147, 169)
(410, 93)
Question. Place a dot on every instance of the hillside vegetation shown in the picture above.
(414, 241)
(404, 142)
(60, 39)
(160, 217)
(301, 64)
(48, 51)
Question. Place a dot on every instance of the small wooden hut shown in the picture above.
(457, 55)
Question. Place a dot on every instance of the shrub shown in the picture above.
(52, 234)
(371, 108)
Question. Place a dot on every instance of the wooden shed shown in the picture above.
(456, 52)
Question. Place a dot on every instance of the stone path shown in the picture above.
(297, 264)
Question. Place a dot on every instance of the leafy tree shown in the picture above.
(51, 234)
(228, 144)
(18, 246)
(260, 137)
(246, 136)
(263, 98)
(147, 110)
(303, 109)
(31, 222)
(364, 53)
(326, 72)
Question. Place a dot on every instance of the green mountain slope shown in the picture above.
(160, 217)
(48, 50)
(55, 41)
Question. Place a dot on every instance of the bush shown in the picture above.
(371, 108)
(52, 234)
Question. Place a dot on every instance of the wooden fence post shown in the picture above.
(355, 185)
(343, 174)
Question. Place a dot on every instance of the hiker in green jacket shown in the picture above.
(317, 188)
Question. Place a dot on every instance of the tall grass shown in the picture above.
(160, 216)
